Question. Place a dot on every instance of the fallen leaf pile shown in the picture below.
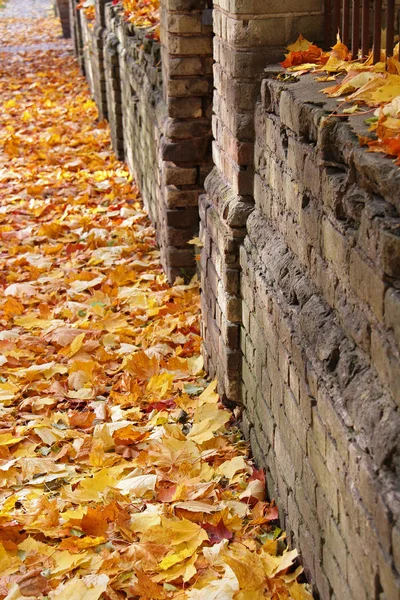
(17, 31)
(144, 14)
(375, 86)
(121, 474)
(89, 9)
(305, 56)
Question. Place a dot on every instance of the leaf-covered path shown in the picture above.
(121, 475)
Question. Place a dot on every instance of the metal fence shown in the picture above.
(363, 24)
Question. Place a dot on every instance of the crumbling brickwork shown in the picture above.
(158, 98)
(248, 36)
(320, 341)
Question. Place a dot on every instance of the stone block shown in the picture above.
(184, 66)
(367, 283)
(392, 313)
(230, 305)
(387, 362)
(186, 129)
(185, 151)
(189, 46)
(176, 175)
(250, 33)
(180, 198)
(322, 475)
(185, 108)
(390, 252)
(184, 23)
(389, 581)
(336, 248)
(181, 88)
(337, 578)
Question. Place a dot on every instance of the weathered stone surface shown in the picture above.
(158, 105)
(321, 258)
(65, 17)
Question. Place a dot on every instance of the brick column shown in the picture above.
(93, 55)
(112, 70)
(63, 11)
(76, 33)
(100, 7)
(248, 37)
(186, 37)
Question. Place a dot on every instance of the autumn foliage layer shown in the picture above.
(121, 474)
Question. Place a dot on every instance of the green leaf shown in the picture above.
(77, 533)
(170, 588)
(193, 390)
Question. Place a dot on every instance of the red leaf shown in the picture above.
(312, 55)
(258, 474)
(271, 513)
(216, 533)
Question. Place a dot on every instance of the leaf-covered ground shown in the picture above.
(121, 475)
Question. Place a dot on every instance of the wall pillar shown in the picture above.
(76, 32)
(63, 12)
(248, 37)
(112, 68)
(93, 55)
(186, 38)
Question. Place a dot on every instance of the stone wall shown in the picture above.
(158, 100)
(320, 274)
(301, 304)
(142, 107)
(248, 36)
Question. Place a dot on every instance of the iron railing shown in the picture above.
(360, 24)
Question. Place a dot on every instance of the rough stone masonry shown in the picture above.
(300, 265)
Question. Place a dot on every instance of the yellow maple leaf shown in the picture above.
(9, 562)
(90, 587)
(208, 419)
(300, 45)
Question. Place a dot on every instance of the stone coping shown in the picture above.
(336, 137)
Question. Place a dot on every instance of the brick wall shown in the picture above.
(248, 36)
(93, 57)
(320, 269)
(142, 109)
(300, 279)
(158, 98)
